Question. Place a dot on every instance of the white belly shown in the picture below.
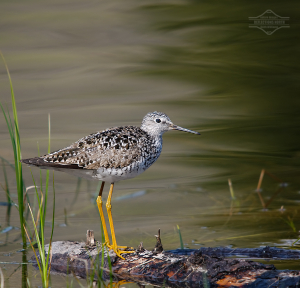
(110, 175)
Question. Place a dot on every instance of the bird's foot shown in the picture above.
(107, 244)
(119, 250)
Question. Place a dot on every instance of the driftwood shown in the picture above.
(205, 267)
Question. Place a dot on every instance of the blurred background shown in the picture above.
(92, 65)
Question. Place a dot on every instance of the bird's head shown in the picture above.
(157, 123)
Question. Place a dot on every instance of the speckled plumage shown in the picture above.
(114, 154)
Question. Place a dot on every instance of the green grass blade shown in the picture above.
(15, 140)
(110, 269)
(41, 178)
(180, 237)
(8, 124)
(49, 133)
(47, 173)
(53, 214)
(295, 241)
(37, 240)
(7, 192)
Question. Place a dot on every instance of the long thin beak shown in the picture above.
(175, 127)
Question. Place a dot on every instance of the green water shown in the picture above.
(98, 64)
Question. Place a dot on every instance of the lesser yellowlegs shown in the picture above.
(112, 155)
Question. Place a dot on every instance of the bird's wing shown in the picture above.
(112, 148)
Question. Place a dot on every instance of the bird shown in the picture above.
(112, 155)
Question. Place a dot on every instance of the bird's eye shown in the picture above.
(158, 120)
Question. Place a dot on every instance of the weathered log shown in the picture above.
(260, 253)
(201, 268)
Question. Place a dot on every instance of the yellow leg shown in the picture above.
(99, 204)
(114, 245)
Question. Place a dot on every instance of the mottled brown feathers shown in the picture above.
(112, 148)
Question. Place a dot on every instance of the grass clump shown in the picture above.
(13, 129)
(44, 262)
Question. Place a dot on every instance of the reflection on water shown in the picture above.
(95, 65)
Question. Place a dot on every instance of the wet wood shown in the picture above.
(260, 253)
(206, 267)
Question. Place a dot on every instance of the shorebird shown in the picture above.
(112, 155)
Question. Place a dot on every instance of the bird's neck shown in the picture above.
(152, 132)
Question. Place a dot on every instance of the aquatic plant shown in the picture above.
(13, 129)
